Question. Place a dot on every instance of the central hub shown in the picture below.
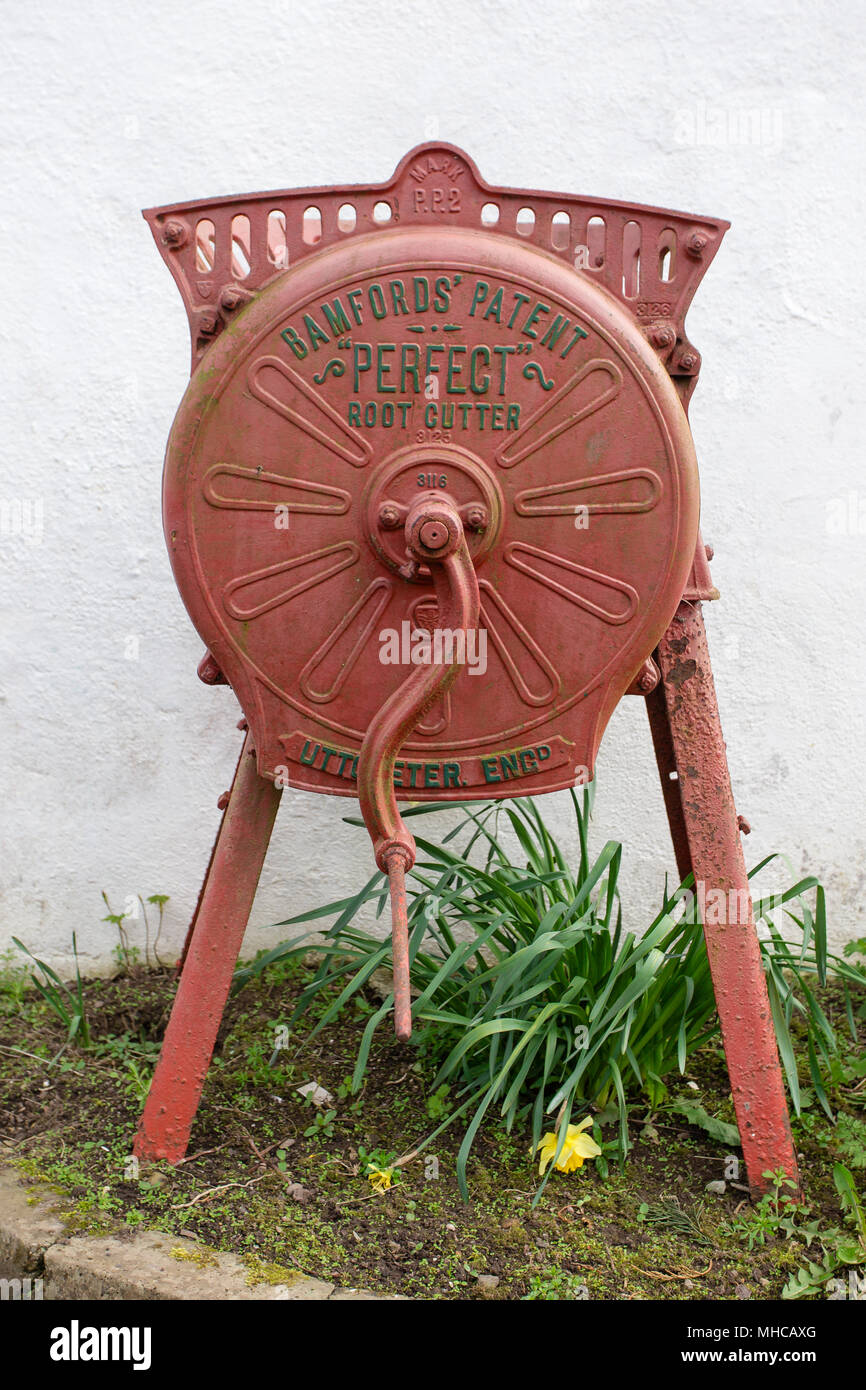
(433, 536)
(431, 471)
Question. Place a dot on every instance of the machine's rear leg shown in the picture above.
(687, 734)
(211, 954)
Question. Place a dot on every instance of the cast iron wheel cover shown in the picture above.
(440, 360)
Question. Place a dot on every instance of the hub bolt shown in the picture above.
(433, 535)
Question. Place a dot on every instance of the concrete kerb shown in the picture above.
(36, 1244)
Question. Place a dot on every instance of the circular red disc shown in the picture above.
(456, 362)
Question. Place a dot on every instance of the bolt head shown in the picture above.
(389, 516)
(174, 233)
(663, 336)
(232, 298)
(689, 362)
(696, 244)
(476, 518)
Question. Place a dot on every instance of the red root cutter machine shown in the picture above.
(437, 407)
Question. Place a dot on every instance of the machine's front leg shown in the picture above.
(434, 537)
(212, 952)
(687, 726)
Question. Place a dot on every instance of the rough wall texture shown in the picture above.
(113, 753)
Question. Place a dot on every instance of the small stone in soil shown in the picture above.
(488, 1283)
(318, 1095)
(719, 1187)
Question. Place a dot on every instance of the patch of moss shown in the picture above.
(202, 1259)
(269, 1272)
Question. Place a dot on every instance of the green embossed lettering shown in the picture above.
(316, 334)
(529, 326)
(383, 368)
(298, 346)
(455, 367)
(479, 354)
(377, 301)
(555, 332)
(336, 316)
(478, 296)
(397, 299)
(410, 358)
(494, 308)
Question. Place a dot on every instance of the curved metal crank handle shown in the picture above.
(434, 537)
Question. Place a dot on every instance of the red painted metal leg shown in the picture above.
(220, 923)
(657, 709)
(705, 812)
(223, 804)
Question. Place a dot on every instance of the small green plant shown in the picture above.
(379, 1166)
(851, 1251)
(127, 955)
(122, 951)
(719, 1130)
(157, 900)
(532, 999)
(68, 1004)
(841, 1249)
(849, 1139)
(375, 1158)
(322, 1126)
(779, 1214)
(555, 1284)
(138, 1081)
(437, 1104)
(13, 982)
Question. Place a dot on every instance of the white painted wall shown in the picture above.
(750, 111)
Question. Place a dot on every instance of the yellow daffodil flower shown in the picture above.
(380, 1178)
(576, 1147)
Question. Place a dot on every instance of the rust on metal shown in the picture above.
(715, 857)
(434, 537)
(210, 957)
(436, 408)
